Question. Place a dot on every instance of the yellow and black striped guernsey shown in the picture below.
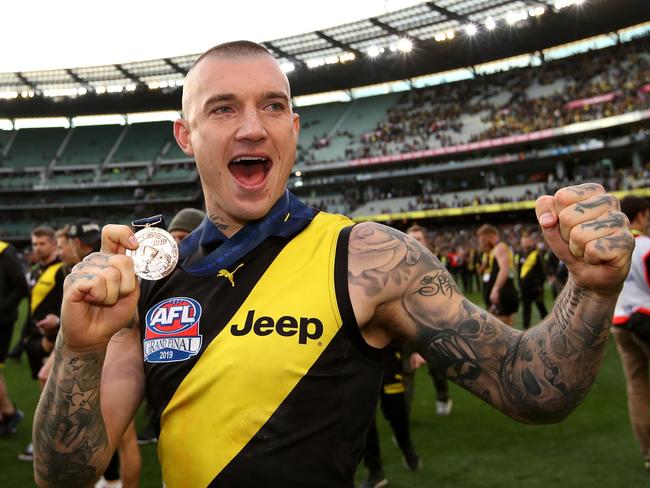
(258, 373)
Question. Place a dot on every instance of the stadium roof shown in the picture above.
(430, 37)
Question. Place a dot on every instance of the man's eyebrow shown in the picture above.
(275, 94)
(222, 97)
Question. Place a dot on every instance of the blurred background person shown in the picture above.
(631, 324)
(394, 406)
(66, 249)
(13, 288)
(499, 291)
(184, 222)
(531, 277)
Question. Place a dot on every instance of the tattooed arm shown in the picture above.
(71, 439)
(97, 379)
(399, 289)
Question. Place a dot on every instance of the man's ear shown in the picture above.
(182, 136)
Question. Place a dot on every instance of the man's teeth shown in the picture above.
(248, 158)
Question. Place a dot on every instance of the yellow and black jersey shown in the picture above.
(46, 294)
(531, 271)
(258, 374)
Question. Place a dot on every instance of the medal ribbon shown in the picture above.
(155, 221)
(285, 219)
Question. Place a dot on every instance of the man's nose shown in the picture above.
(252, 127)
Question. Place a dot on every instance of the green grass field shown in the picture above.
(474, 447)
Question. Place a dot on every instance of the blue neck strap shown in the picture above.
(285, 219)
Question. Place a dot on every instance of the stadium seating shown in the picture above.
(90, 145)
(34, 147)
(143, 142)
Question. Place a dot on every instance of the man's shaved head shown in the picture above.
(229, 50)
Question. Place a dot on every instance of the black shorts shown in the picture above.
(6, 331)
(35, 354)
(508, 299)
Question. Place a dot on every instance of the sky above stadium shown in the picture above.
(46, 34)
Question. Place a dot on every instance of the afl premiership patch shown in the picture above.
(172, 331)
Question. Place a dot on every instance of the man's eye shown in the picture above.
(222, 110)
(275, 106)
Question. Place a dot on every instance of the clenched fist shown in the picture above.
(584, 227)
(101, 294)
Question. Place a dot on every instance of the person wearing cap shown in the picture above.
(631, 324)
(184, 222)
(86, 237)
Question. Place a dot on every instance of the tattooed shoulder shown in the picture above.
(381, 257)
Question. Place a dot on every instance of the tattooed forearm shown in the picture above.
(538, 376)
(70, 439)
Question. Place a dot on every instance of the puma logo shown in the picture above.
(227, 274)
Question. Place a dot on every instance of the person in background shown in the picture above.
(631, 324)
(13, 288)
(65, 248)
(531, 276)
(558, 273)
(499, 290)
(42, 324)
(396, 411)
(184, 222)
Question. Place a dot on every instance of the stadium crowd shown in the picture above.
(607, 82)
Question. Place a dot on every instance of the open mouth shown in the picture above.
(250, 171)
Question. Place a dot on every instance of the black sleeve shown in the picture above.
(646, 264)
(13, 283)
(60, 279)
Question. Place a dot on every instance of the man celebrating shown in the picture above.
(285, 363)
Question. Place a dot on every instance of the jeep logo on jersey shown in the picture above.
(286, 326)
(172, 330)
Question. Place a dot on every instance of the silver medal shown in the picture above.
(157, 254)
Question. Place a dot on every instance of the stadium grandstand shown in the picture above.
(450, 109)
